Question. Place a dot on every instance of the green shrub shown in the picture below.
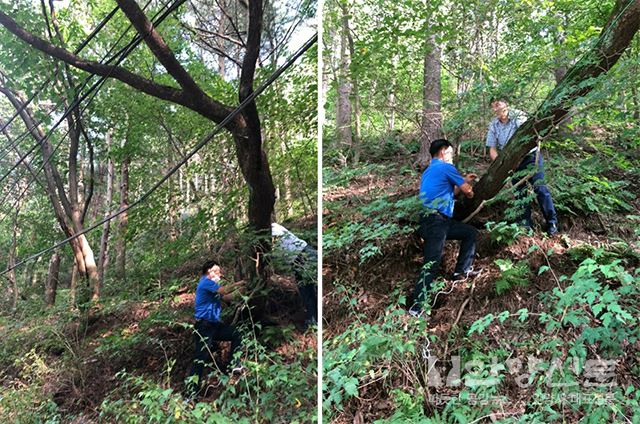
(504, 234)
(511, 275)
(25, 401)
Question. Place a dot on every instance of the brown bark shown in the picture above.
(431, 126)
(51, 284)
(636, 102)
(11, 275)
(73, 286)
(104, 239)
(245, 128)
(357, 139)
(121, 244)
(253, 160)
(579, 81)
(343, 112)
(67, 213)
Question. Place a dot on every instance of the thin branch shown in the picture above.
(207, 106)
(159, 47)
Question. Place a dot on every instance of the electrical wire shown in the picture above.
(173, 170)
(124, 52)
(77, 100)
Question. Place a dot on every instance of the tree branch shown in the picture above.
(251, 57)
(158, 46)
(578, 82)
(205, 106)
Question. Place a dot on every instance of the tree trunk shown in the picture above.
(357, 138)
(579, 81)
(123, 220)
(245, 128)
(431, 127)
(11, 275)
(343, 112)
(67, 210)
(73, 286)
(636, 103)
(51, 284)
(102, 259)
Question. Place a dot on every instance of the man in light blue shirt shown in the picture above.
(500, 131)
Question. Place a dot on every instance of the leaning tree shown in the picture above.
(616, 36)
(245, 128)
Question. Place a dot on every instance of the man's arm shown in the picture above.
(492, 142)
(466, 187)
(228, 291)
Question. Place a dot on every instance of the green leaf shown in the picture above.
(523, 314)
(351, 387)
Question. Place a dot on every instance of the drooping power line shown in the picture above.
(199, 146)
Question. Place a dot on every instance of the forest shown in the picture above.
(547, 331)
(140, 140)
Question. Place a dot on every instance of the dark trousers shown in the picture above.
(305, 269)
(434, 230)
(542, 192)
(206, 336)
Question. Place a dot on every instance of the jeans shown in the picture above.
(305, 270)
(206, 336)
(542, 192)
(434, 230)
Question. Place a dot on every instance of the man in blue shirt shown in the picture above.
(501, 128)
(209, 329)
(440, 183)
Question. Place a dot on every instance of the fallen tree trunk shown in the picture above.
(578, 82)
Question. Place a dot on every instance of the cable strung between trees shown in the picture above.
(78, 49)
(134, 43)
(125, 51)
(251, 97)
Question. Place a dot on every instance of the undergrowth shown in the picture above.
(573, 366)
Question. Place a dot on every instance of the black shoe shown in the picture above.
(471, 274)
(310, 322)
(552, 229)
(415, 311)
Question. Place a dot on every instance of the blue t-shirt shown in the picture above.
(436, 187)
(208, 304)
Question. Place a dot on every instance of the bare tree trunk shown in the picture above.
(431, 127)
(73, 286)
(68, 212)
(392, 95)
(121, 247)
(51, 284)
(102, 259)
(578, 82)
(245, 128)
(11, 275)
(357, 139)
(636, 103)
(343, 112)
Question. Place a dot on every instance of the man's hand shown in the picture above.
(493, 153)
(231, 288)
(467, 190)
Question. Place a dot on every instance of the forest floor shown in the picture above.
(362, 290)
(74, 366)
